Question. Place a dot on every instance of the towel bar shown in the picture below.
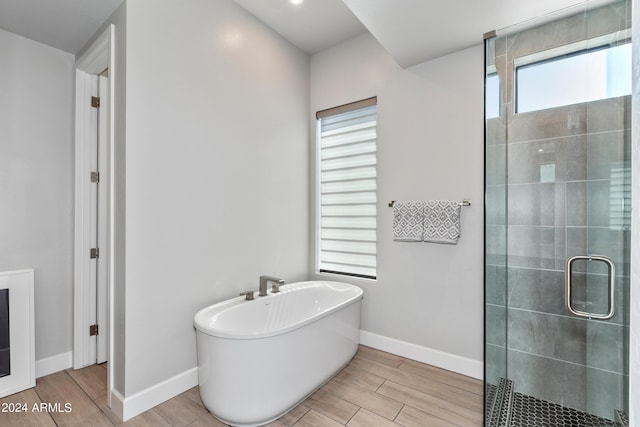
(462, 203)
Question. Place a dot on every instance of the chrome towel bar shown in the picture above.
(462, 203)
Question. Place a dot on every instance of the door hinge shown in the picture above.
(94, 253)
(93, 330)
(95, 177)
(95, 102)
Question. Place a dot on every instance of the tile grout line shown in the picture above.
(430, 394)
(380, 386)
(398, 414)
(353, 416)
(360, 407)
(427, 378)
(337, 397)
(443, 383)
(89, 397)
(160, 415)
(35, 390)
(301, 416)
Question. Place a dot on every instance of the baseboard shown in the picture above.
(53, 364)
(451, 362)
(117, 403)
(146, 399)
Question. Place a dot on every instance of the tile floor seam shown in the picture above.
(380, 386)
(375, 392)
(440, 381)
(160, 415)
(438, 417)
(398, 414)
(353, 416)
(107, 417)
(436, 396)
(192, 422)
(390, 398)
(194, 401)
(329, 416)
(301, 416)
(35, 390)
(89, 397)
(439, 396)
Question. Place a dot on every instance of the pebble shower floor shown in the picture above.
(512, 409)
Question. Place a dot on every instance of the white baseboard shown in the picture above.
(117, 402)
(451, 362)
(127, 408)
(53, 364)
(144, 400)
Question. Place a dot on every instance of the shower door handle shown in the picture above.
(611, 285)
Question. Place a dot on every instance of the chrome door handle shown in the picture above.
(611, 284)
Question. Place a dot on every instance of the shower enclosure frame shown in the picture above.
(634, 333)
(489, 293)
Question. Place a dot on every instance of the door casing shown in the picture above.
(98, 57)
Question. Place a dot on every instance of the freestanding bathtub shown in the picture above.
(258, 359)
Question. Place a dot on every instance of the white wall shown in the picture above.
(216, 171)
(36, 181)
(430, 146)
(118, 78)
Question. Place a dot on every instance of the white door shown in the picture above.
(97, 224)
(102, 218)
(92, 230)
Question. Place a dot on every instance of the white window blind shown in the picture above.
(347, 190)
(620, 197)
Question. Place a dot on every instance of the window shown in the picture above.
(580, 72)
(492, 95)
(620, 196)
(346, 182)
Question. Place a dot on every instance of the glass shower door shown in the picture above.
(557, 150)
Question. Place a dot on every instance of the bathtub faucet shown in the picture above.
(263, 285)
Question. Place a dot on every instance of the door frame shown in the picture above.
(98, 57)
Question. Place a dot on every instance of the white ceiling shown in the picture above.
(412, 31)
(312, 26)
(63, 24)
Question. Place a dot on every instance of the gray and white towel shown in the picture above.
(441, 221)
(408, 221)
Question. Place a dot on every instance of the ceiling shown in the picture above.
(63, 24)
(312, 26)
(412, 31)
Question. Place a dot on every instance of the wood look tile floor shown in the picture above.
(375, 389)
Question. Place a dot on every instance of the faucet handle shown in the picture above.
(248, 295)
(275, 287)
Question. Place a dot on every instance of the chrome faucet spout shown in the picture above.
(264, 280)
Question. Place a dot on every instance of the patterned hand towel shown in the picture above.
(442, 221)
(408, 221)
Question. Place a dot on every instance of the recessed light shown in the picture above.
(296, 2)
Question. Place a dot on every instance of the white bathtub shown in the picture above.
(258, 359)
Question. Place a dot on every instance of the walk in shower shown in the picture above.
(557, 220)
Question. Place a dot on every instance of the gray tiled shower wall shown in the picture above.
(552, 192)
